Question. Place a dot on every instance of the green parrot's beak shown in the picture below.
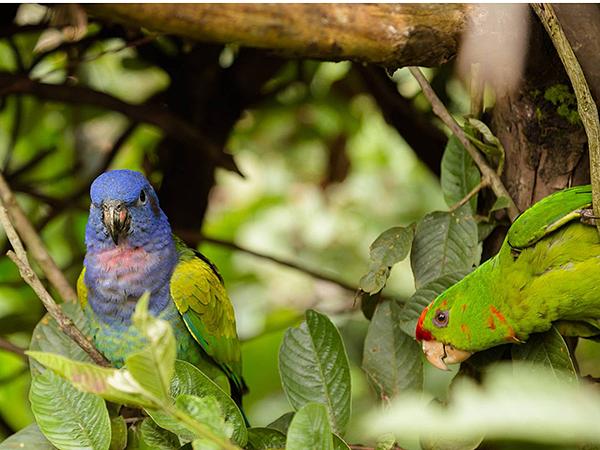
(440, 354)
(116, 219)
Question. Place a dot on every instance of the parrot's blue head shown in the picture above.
(124, 208)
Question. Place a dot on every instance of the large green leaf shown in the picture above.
(310, 429)
(48, 337)
(459, 174)
(115, 385)
(548, 350)
(29, 437)
(69, 418)
(314, 368)
(389, 248)
(157, 438)
(445, 242)
(153, 367)
(391, 358)
(512, 403)
(265, 439)
(189, 380)
(411, 311)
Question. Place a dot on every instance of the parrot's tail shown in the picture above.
(238, 389)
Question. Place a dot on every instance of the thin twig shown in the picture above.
(486, 171)
(19, 257)
(286, 263)
(586, 106)
(34, 243)
(12, 348)
(482, 184)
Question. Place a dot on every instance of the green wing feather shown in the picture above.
(548, 215)
(200, 297)
(82, 289)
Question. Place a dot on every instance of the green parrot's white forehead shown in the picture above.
(120, 185)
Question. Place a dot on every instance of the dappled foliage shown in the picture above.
(336, 237)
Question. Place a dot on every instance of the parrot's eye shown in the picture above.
(142, 197)
(440, 319)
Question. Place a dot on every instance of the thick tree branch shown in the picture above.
(586, 106)
(170, 124)
(386, 34)
(488, 173)
(19, 257)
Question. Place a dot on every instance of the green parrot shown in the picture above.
(546, 272)
(130, 250)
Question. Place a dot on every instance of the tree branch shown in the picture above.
(390, 35)
(12, 348)
(488, 173)
(172, 125)
(19, 257)
(586, 106)
(34, 243)
(290, 264)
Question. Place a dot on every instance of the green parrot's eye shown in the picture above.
(143, 197)
(440, 318)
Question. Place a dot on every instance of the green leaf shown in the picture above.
(391, 358)
(339, 443)
(313, 365)
(512, 403)
(157, 438)
(368, 303)
(29, 437)
(48, 337)
(189, 380)
(69, 418)
(390, 247)
(115, 385)
(265, 439)
(413, 307)
(118, 427)
(153, 367)
(500, 203)
(459, 174)
(548, 350)
(310, 429)
(207, 411)
(494, 150)
(374, 280)
(445, 242)
(282, 423)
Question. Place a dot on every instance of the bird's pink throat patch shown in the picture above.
(125, 258)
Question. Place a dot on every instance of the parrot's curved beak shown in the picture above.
(116, 219)
(440, 354)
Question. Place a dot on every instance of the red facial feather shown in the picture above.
(420, 333)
